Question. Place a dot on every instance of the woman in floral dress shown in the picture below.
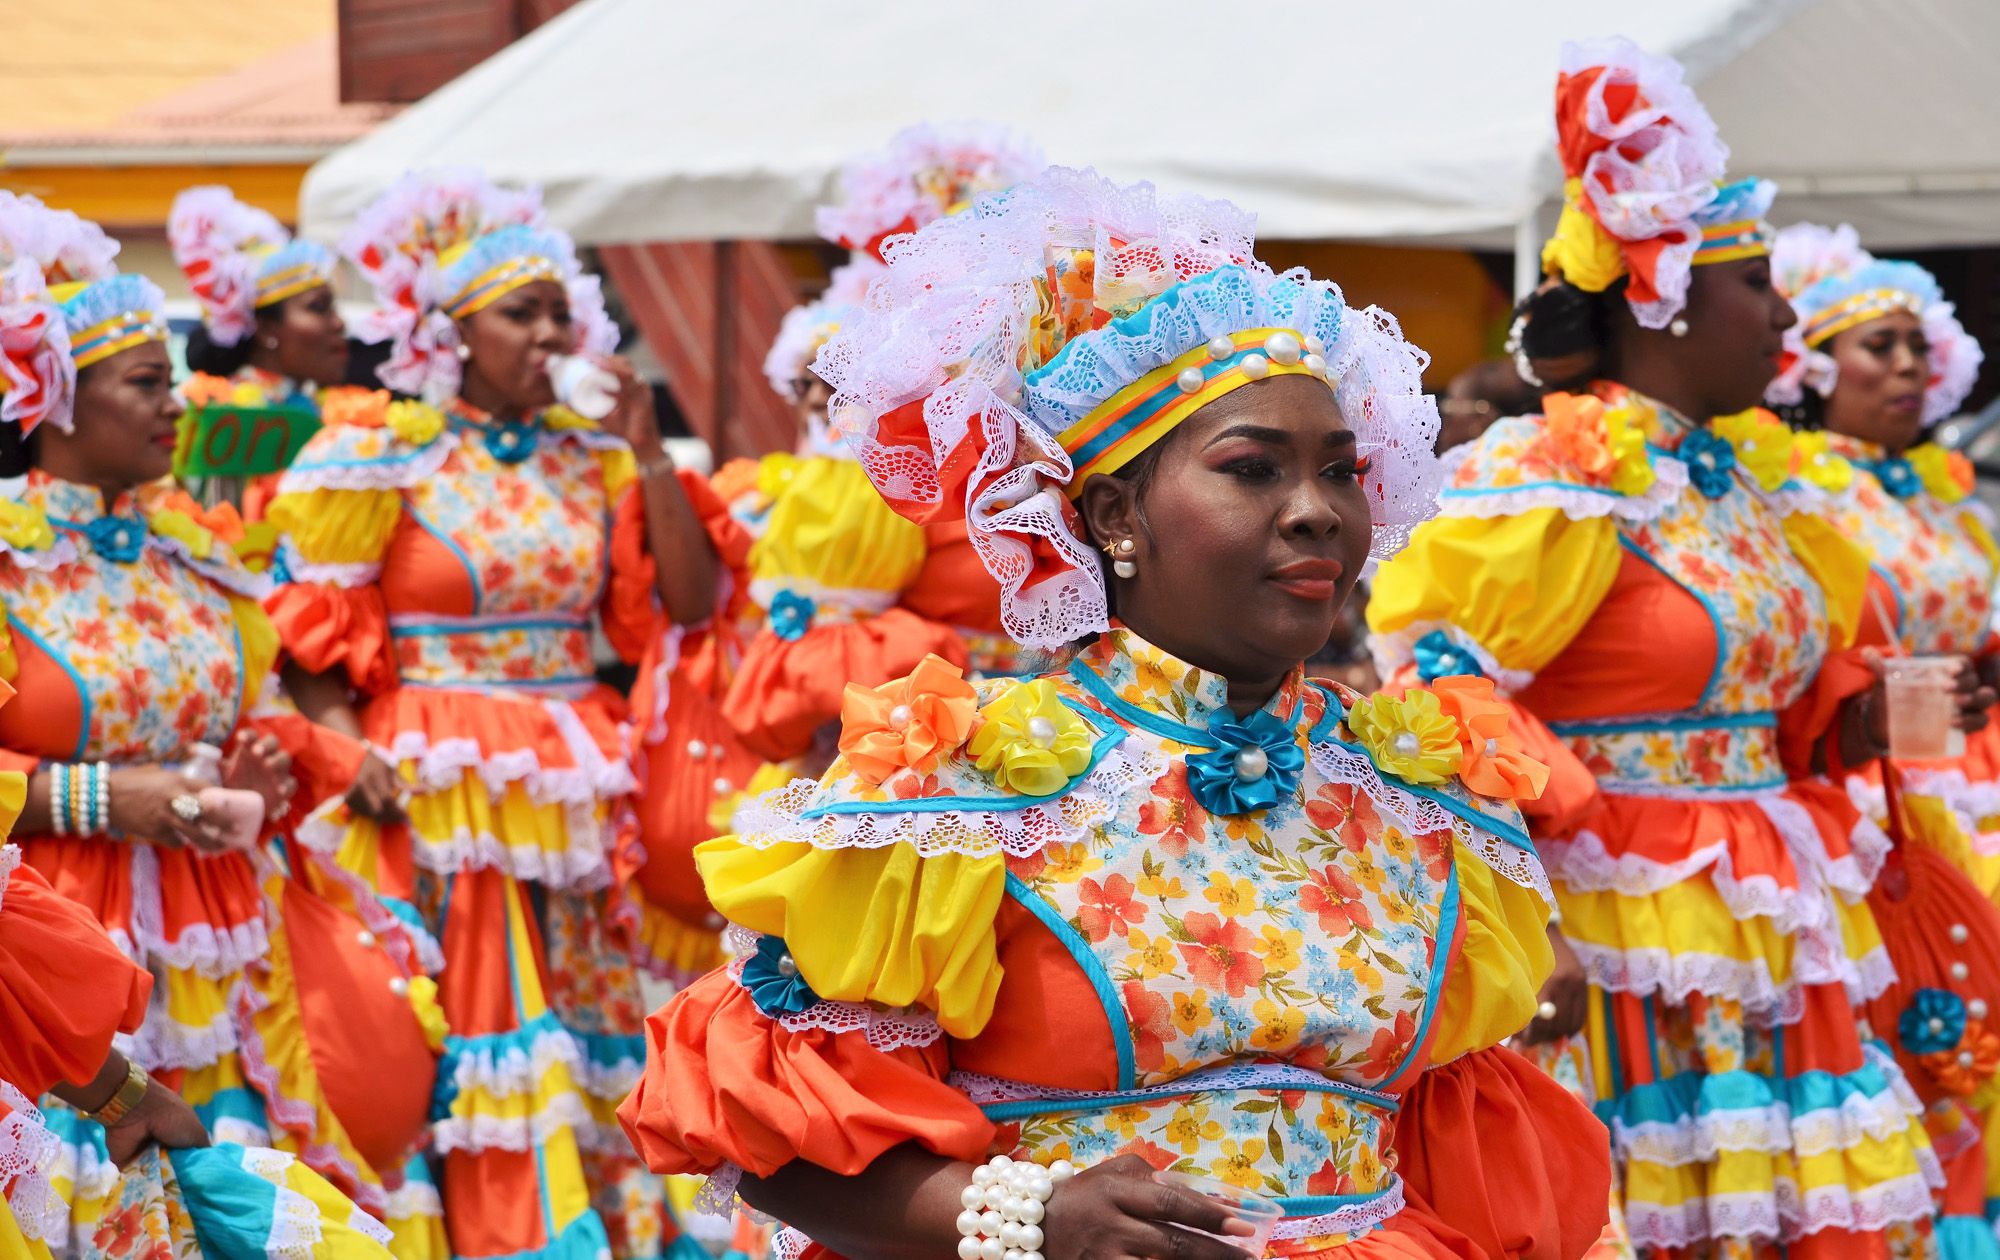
(1640, 568)
(448, 567)
(1175, 907)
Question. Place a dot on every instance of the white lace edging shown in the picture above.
(775, 817)
(581, 866)
(27, 1155)
(886, 1028)
(1852, 874)
(1791, 498)
(789, 1244)
(163, 1044)
(228, 577)
(57, 554)
(413, 1200)
(512, 1133)
(1579, 503)
(1419, 816)
(442, 764)
(364, 573)
(1355, 1218)
(10, 858)
(663, 677)
(1585, 865)
(295, 1219)
(1782, 1214)
(383, 473)
(1677, 976)
(214, 954)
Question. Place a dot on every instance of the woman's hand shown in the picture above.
(1974, 695)
(1566, 992)
(1120, 1209)
(377, 790)
(162, 1117)
(142, 807)
(260, 764)
(634, 419)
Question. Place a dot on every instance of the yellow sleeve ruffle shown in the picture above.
(1838, 564)
(872, 925)
(829, 529)
(342, 497)
(260, 646)
(1520, 587)
(1493, 982)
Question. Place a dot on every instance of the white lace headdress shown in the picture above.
(238, 259)
(1834, 284)
(927, 172)
(443, 244)
(1056, 330)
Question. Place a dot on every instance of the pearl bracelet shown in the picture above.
(1004, 1207)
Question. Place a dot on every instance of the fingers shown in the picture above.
(1165, 1242)
(1167, 1204)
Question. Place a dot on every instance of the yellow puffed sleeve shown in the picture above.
(340, 500)
(260, 645)
(831, 529)
(1493, 982)
(13, 799)
(1838, 564)
(1981, 537)
(338, 526)
(872, 925)
(1520, 586)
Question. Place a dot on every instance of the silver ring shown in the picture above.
(1546, 1010)
(186, 807)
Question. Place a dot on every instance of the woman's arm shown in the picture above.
(684, 561)
(909, 1203)
(324, 698)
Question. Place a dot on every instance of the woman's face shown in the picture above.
(1251, 530)
(1878, 395)
(508, 346)
(1736, 323)
(312, 340)
(813, 395)
(126, 414)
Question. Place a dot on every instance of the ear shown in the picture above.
(1110, 510)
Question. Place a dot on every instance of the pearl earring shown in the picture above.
(1678, 328)
(464, 352)
(1121, 562)
(270, 343)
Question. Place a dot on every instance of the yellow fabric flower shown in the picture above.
(1632, 469)
(247, 394)
(1818, 464)
(774, 474)
(1409, 736)
(25, 528)
(1581, 251)
(1946, 474)
(1030, 741)
(423, 995)
(1762, 442)
(414, 422)
(183, 529)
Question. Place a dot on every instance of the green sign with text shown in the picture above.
(219, 440)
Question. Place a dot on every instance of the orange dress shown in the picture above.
(1655, 594)
(454, 570)
(1295, 984)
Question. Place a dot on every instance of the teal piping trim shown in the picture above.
(1714, 617)
(471, 574)
(1100, 980)
(82, 692)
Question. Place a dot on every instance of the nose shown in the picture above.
(1782, 314)
(1309, 511)
(1910, 361)
(551, 335)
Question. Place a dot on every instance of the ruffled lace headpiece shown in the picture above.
(1835, 285)
(238, 259)
(1061, 329)
(808, 326)
(1641, 165)
(63, 306)
(441, 245)
(927, 172)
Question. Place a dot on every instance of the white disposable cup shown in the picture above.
(1923, 709)
(582, 386)
(1245, 1205)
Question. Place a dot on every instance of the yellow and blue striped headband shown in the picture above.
(494, 264)
(109, 315)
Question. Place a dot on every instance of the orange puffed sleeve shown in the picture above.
(725, 1084)
(1501, 1154)
(64, 987)
(323, 626)
(631, 609)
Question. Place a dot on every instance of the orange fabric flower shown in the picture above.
(1494, 764)
(912, 723)
(1575, 428)
(1958, 1077)
(363, 408)
(201, 389)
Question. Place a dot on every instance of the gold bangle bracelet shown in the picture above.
(137, 1082)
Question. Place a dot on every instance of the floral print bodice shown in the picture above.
(141, 631)
(1270, 976)
(1930, 543)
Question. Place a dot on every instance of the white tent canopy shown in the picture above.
(1411, 120)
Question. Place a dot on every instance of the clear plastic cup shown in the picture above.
(1922, 708)
(584, 387)
(1245, 1205)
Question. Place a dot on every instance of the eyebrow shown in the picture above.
(1277, 437)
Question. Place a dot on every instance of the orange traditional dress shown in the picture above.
(454, 567)
(1653, 591)
(1296, 984)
